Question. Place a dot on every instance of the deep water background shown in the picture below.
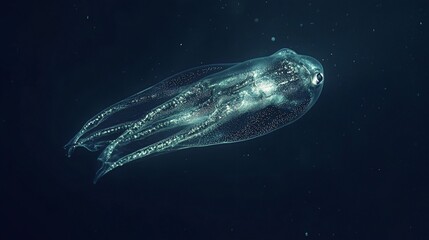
(354, 167)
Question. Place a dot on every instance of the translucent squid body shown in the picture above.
(204, 106)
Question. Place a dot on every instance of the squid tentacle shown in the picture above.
(215, 119)
(180, 100)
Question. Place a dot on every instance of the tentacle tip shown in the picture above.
(105, 168)
(71, 146)
(70, 149)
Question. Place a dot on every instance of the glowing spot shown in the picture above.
(265, 86)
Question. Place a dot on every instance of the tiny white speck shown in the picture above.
(87, 17)
(306, 234)
(256, 20)
(180, 44)
(273, 39)
(421, 23)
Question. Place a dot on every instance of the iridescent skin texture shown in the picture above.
(203, 106)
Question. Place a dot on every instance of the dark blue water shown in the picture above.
(354, 167)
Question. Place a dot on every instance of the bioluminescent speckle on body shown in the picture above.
(203, 106)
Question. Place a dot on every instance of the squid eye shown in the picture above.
(317, 78)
